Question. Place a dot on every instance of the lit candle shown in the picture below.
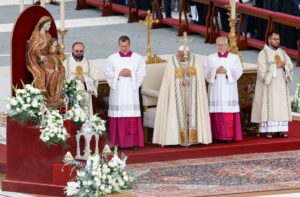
(233, 9)
(21, 5)
(62, 15)
(43, 3)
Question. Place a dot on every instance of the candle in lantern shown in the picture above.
(43, 3)
(233, 9)
(62, 15)
(21, 5)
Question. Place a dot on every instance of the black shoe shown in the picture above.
(37, 3)
(283, 135)
(135, 148)
(269, 135)
(54, 2)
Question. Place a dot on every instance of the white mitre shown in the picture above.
(183, 48)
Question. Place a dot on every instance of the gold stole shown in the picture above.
(187, 123)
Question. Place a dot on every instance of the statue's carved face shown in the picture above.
(47, 26)
(54, 43)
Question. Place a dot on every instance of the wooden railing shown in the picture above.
(273, 20)
(182, 23)
(109, 8)
(211, 31)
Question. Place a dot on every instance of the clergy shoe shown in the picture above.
(283, 135)
(135, 148)
(269, 135)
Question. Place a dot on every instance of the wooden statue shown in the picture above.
(44, 61)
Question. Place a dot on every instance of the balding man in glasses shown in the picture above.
(80, 68)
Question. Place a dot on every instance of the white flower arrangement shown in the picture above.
(101, 176)
(77, 114)
(98, 125)
(296, 99)
(54, 132)
(74, 91)
(26, 104)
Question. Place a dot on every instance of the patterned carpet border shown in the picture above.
(218, 175)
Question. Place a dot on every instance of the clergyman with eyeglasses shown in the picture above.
(271, 106)
(80, 68)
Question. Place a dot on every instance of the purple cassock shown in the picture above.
(126, 132)
(226, 126)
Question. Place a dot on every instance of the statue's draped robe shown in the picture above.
(223, 95)
(182, 115)
(125, 125)
(272, 105)
(47, 76)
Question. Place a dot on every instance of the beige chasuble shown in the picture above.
(182, 115)
(272, 98)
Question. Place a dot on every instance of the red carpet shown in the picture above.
(250, 144)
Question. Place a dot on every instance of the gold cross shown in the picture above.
(185, 40)
(148, 22)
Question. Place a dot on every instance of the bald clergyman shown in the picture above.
(78, 67)
(222, 71)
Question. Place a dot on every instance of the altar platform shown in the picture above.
(250, 144)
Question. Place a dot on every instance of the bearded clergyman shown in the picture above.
(80, 68)
(272, 106)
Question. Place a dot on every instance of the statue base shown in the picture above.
(57, 104)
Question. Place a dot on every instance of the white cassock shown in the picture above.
(90, 77)
(124, 91)
(124, 115)
(171, 119)
(223, 96)
(222, 88)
